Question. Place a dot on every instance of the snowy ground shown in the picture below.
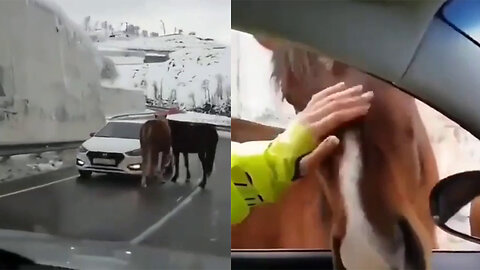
(195, 117)
(455, 149)
(20, 166)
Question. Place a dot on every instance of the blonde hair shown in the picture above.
(300, 60)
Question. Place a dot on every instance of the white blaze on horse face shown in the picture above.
(361, 248)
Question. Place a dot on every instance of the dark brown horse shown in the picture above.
(369, 202)
(195, 138)
(155, 140)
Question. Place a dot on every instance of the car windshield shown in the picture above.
(283, 76)
(122, 130)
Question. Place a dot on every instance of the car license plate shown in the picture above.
(104, 161)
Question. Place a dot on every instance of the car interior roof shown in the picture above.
(399, 41)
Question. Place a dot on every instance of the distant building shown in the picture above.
(145, 33)
(192, 34)
(154, 34)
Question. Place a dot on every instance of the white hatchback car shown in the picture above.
(113, 149)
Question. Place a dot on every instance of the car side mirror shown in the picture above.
(455, 201)
(92, 134)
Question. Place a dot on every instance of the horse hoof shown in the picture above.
(202, 185)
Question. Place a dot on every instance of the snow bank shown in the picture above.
(455, 149)
(49, 76)
(117, 101)
(20, 166)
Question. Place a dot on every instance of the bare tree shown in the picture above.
(109, 70)
(161, 90)
(229, 93)
(163, 27)
(219, 91)
(192, 97)
(86, 23)
(173, 96)
(206, 90)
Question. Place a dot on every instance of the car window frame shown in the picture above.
(441, 15)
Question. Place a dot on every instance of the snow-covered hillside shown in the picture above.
(172, 70)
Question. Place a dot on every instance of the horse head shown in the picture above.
(374, 227)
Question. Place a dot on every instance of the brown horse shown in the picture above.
(155, 139)
(185, 138)
(369, 202)
(475, 217)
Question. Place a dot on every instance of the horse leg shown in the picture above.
(202, 184)
(146, 167)
(155, 159)
(162, 157)
(176, 156)
(185, 158)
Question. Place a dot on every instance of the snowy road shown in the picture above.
(175, 216)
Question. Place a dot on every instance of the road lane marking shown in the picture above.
(39, 186)
(157, 225)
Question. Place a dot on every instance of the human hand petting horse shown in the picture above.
(325, 113)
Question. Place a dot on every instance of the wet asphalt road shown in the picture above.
(178, 215)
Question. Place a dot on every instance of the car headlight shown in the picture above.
(135, 153)
(82, 149)
(135, 167)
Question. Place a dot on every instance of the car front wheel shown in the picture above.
(85, 174)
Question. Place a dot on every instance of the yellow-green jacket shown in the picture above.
(262, 170)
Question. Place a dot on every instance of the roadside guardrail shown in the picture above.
(35, 148)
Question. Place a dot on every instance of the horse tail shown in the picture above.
(211, 149)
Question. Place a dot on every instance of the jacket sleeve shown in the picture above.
(262, 170)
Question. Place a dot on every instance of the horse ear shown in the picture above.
(266, 42)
